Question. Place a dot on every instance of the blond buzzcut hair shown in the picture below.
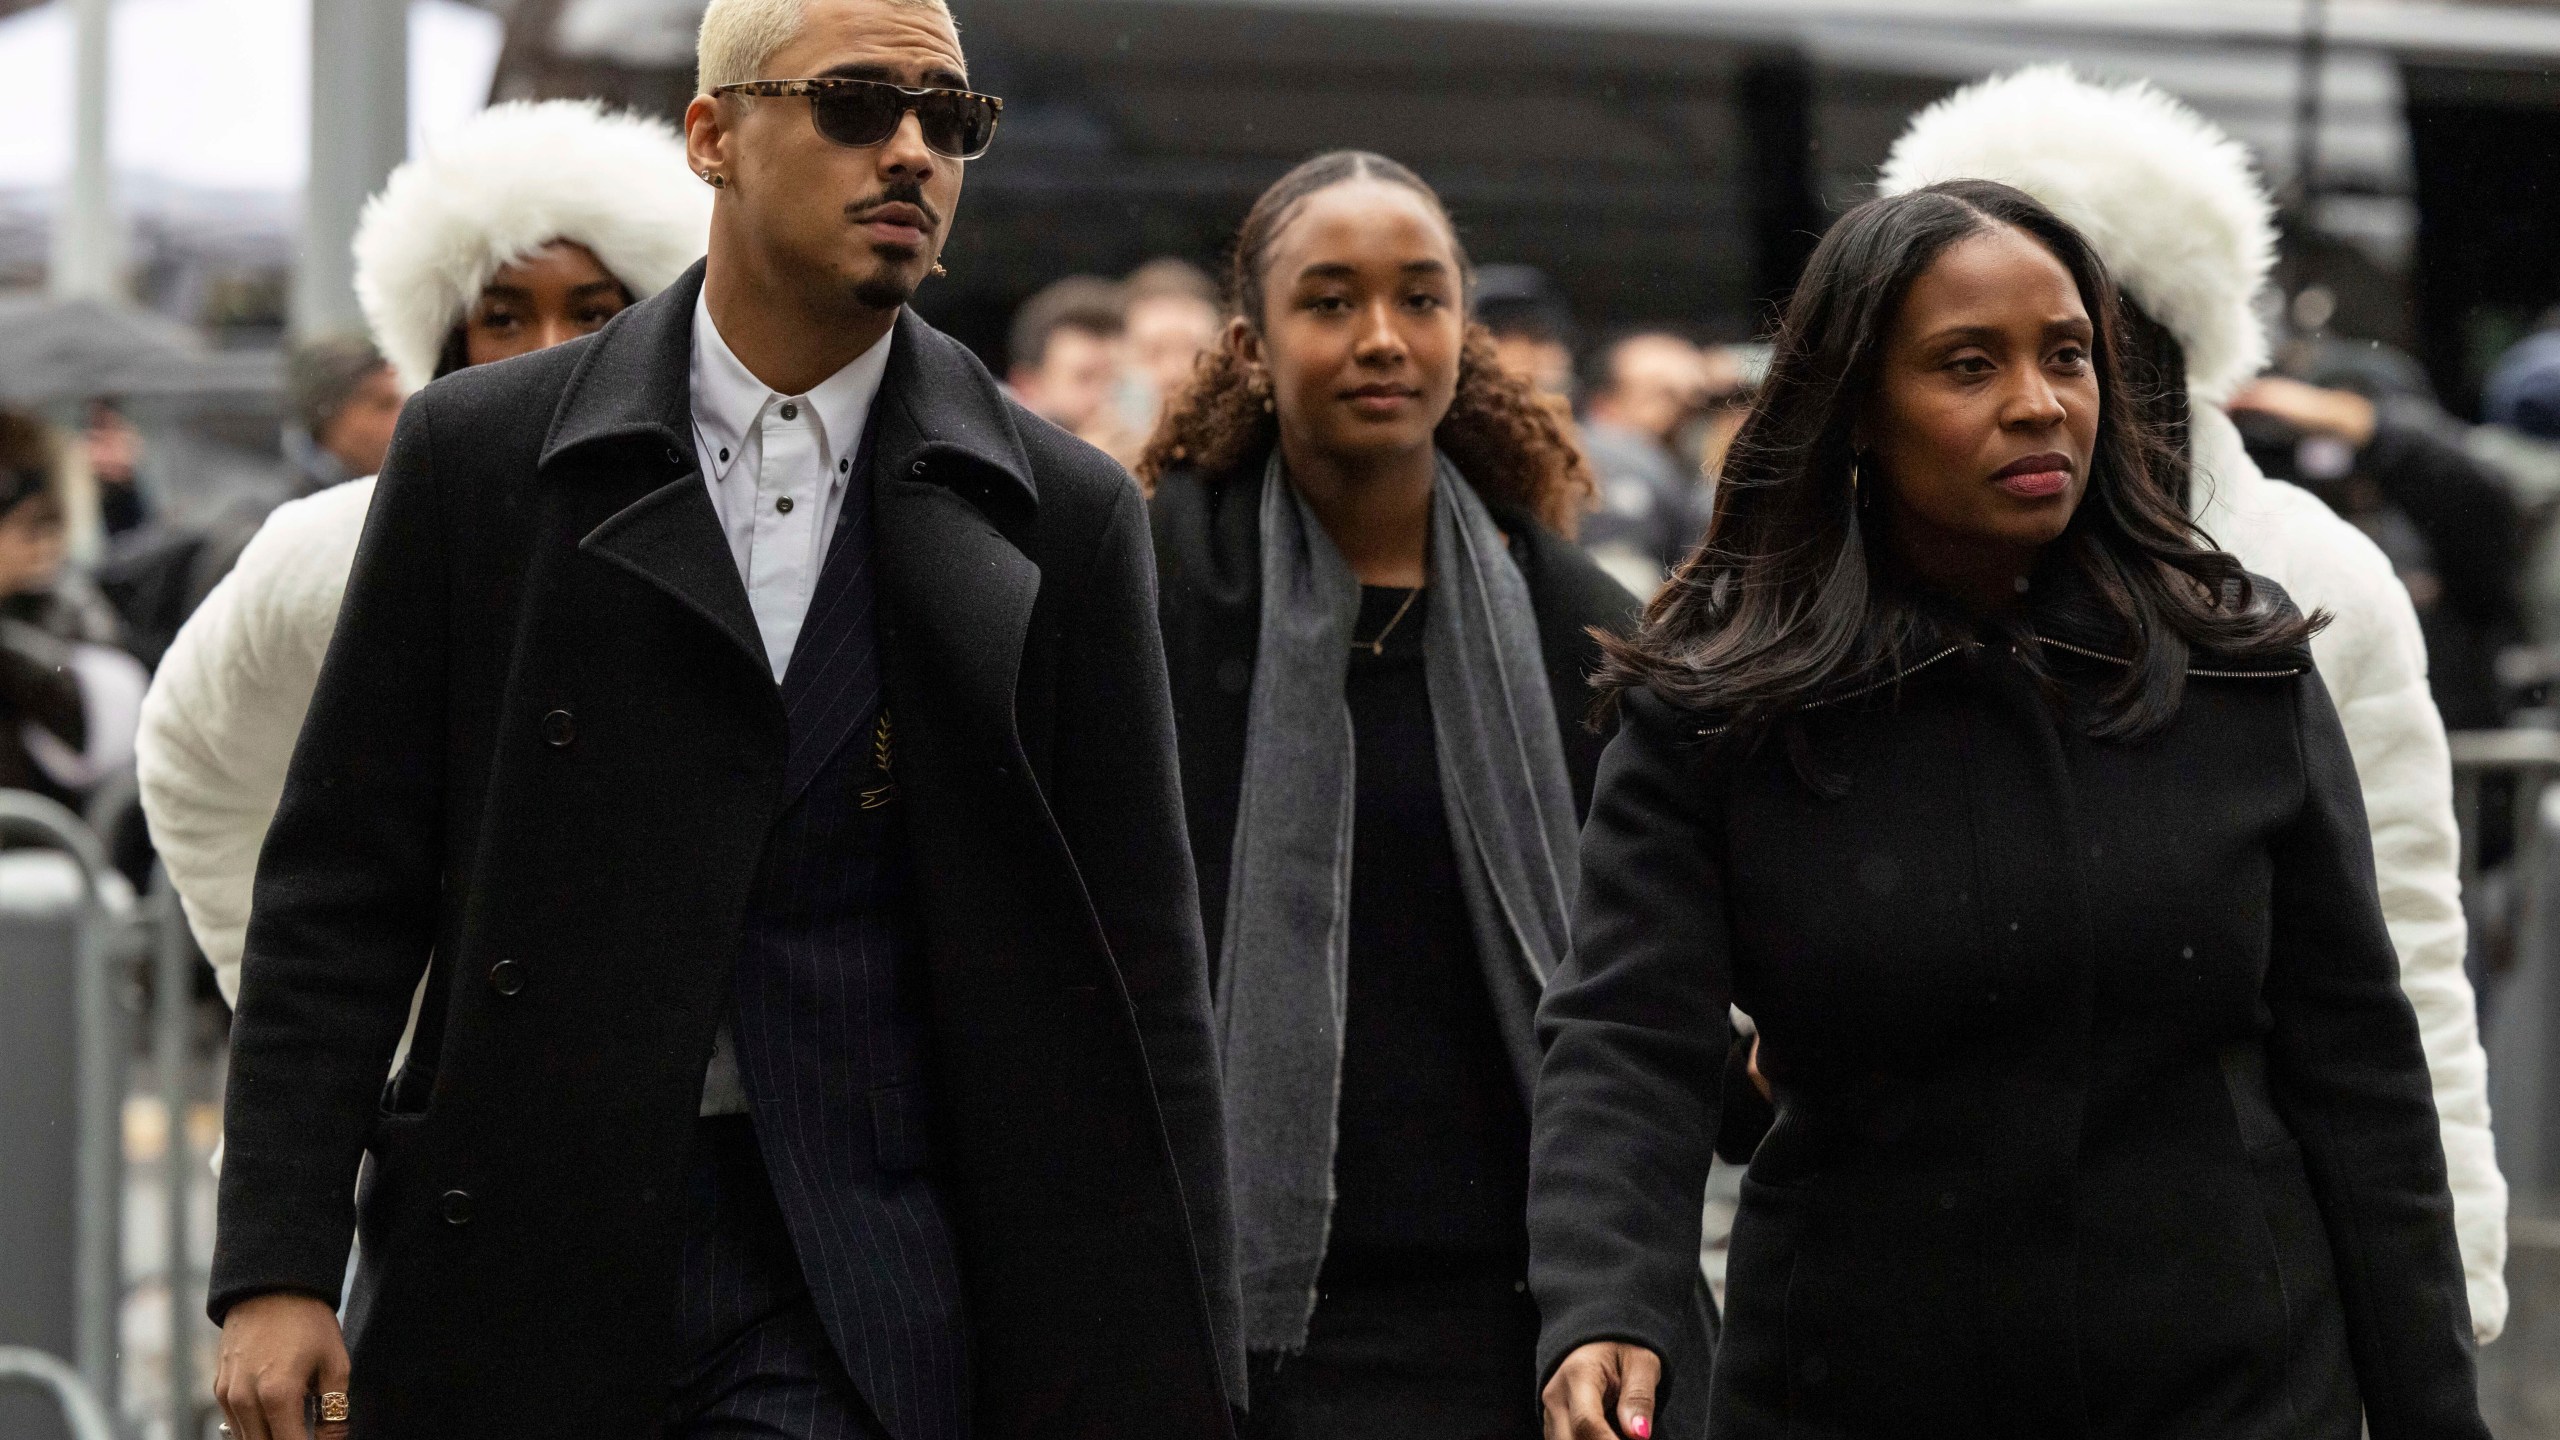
(738, 36)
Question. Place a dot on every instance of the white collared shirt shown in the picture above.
(778, 466)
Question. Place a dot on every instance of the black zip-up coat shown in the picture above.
(542, 765)
(2100, 1109)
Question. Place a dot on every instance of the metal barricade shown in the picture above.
(80, 1408)
(97, 945)
(2521, 1010)
(2513, 917)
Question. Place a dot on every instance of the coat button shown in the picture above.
(559, 728)
(456, 1207)
(506, 977)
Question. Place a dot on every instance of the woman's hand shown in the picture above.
(1596, 1380)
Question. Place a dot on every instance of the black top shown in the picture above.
(1434, 1146)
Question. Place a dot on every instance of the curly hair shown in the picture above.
(1516, 449)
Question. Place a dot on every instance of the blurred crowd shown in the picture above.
(94, 583)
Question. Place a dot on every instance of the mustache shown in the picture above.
(901, 193)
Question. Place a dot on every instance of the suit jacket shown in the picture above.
(542, 767)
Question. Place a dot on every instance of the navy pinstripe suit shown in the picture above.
(830, 1035)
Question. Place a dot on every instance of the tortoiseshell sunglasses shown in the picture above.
(957, 124)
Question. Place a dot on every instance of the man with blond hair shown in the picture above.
(753, 728)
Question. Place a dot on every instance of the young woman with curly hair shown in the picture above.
(1378, 641)
(2018, 818)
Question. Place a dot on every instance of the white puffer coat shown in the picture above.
(219, 723)
(2376, 669)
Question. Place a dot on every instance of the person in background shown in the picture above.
(2172, 206)
(1377, 633)
(2450, 522)
(68, 695)
(2021, 821)
(2520, 437)
(1064, 359)
(346, 399)
(1172, 321)
(115, 464)
(530, 225)
(1532, 327)
(1640, 394)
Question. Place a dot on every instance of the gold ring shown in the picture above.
(333, 1406)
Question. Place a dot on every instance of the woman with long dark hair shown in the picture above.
(2021, 823)
(1378, 640)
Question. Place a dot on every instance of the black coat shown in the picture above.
(2100, 1109)
(546, 734)
(1208, 555)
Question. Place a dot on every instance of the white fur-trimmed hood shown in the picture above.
(2172, 203)
(511, 180)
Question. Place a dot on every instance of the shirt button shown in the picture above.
(456, 1206)
(506, 977)
(790, 411)
(558, 729)
(724, 457)
(783, 505)
(842, 466)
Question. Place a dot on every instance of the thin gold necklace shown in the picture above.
(1377, 645)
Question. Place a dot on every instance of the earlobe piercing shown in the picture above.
(714, 179)
(939, 271)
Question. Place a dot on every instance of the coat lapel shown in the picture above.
(629, 409)
(949, 481)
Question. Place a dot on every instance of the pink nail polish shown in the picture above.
(1640, 1427)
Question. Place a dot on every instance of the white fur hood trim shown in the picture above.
(509, 181)
(2172, 203)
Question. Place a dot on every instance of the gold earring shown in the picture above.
(939, 271)
(715, 179)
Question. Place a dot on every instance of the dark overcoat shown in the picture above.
(2100, 1109)
(547, 739)
(1208, 536)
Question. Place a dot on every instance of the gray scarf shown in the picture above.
(1284, 972)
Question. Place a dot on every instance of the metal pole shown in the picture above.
(80, 1404)
(173, 1015)
(88, 250)
(98, 1288)
(359, 132)
(2308, 103)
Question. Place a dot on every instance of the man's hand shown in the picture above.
(277, 1351)
(1595, 1379)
